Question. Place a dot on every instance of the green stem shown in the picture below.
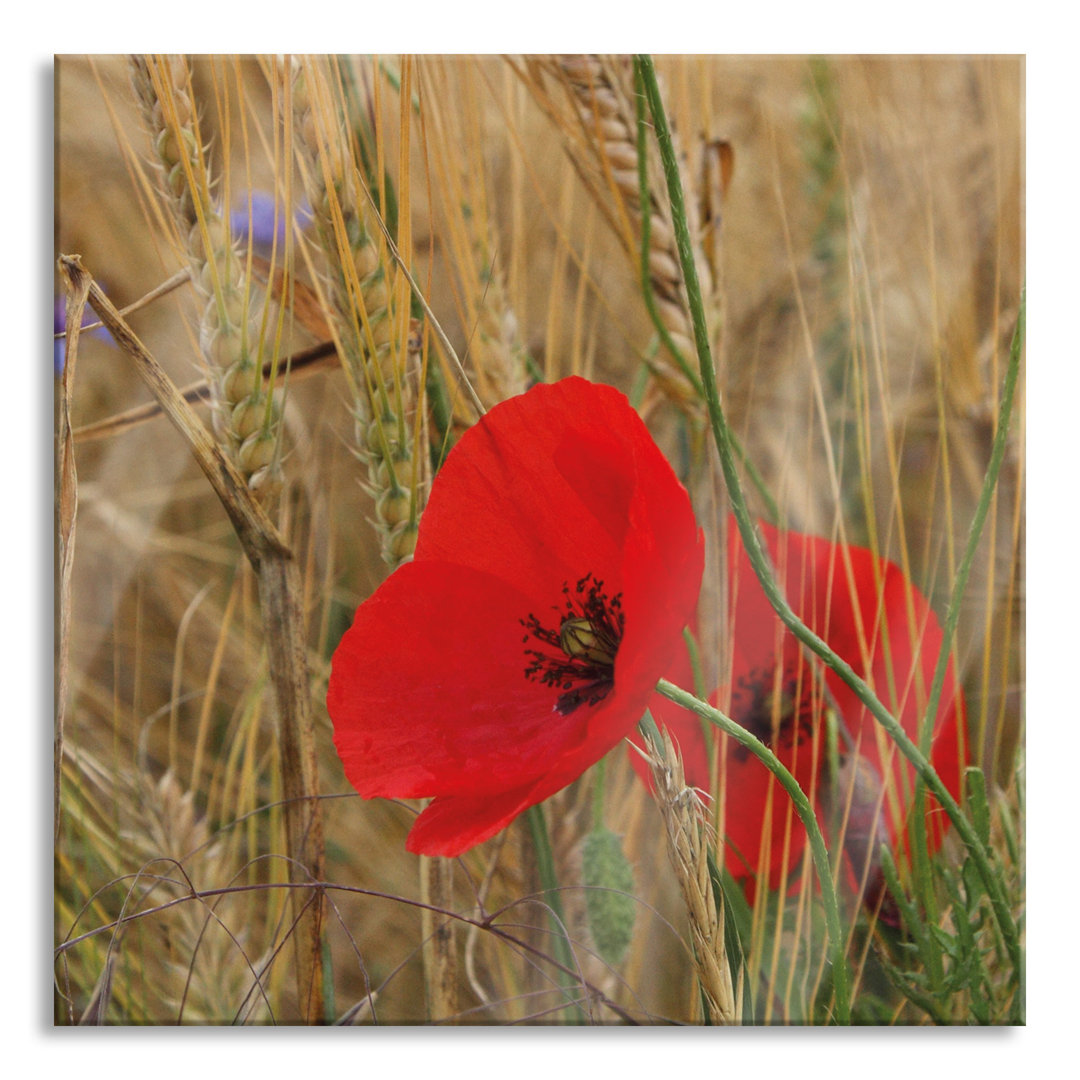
(645, 198)
(756, 479)
(549, 882)
(599, 772)
(806, 814)
(753, 546)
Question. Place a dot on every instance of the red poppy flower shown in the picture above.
(557, 563)
(876, 620)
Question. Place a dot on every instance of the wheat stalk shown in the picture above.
(455, 145)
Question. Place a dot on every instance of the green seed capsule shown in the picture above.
(225, 311)
(218, 271)
(400, 469)
(376, 297)
(365, 259)
(308, 130)
(176, 179)
(247, 417)
(609, 899)
(579, 639)
(224, 349)
(211, 241)
(170, 147)
(181, 104)
(382, 435)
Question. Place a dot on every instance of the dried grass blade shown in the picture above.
(67, 499)
(440, 949)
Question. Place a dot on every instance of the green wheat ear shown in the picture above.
(609, 895)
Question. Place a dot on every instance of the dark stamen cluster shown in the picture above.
(776, 711)
(581, 660)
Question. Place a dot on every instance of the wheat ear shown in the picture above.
(246, 415)
(601, 140)
(496, 348)
(688, 840)
(378, 348)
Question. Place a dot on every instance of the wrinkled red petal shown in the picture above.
(543, 486)
(428, 693)
(452, 824)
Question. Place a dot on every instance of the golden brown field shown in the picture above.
(429, 236)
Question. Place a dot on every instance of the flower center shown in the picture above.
(579, 658)
(777, 711)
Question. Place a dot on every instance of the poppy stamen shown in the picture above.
(581, 662)
(778, 714)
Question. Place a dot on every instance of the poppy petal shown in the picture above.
(541, 488)
(428, 694)
(452, 824)
(875, 618)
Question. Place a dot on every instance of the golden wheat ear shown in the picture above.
(686, 827)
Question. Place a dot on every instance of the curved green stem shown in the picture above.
(803, 808)
(644, 197)
(646, 230)
(754, 549)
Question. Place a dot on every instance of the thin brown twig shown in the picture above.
(166, 287)
(485, 923)
(300, 364)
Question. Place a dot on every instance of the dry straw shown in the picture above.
(366, 302)
(455, 145)
(590, 99)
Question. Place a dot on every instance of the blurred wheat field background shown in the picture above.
(859, 230)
